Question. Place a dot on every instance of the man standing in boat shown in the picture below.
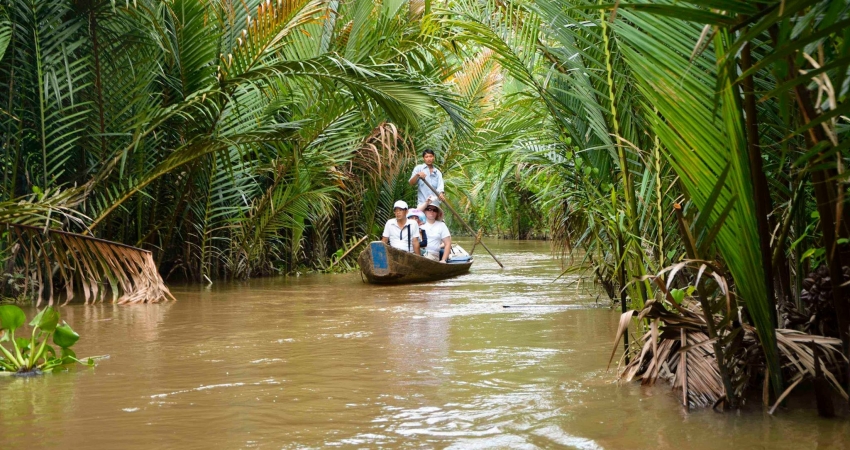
(428, 172)
(401, 233)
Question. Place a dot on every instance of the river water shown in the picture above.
(328, 361)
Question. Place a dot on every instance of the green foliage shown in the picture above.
(218, 134)
(644, 111)
(236, 139)
(35, 354)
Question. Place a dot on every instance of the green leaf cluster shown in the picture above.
(35, 353)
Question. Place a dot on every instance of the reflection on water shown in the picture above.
(325, 360)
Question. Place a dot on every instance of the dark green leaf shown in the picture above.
(11, 317)
(22, 343)
(706, 241)
(708, 207)
(67, 352)
(64, 336)
(791, 47)
(840, 63)
(46, 319)
(842, 109)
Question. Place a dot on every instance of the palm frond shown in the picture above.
(5, 35)
(83, 263)
(265, 33)
(658, 49)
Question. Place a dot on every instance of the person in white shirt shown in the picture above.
(401, 232)
(437, 234)
(430, 173)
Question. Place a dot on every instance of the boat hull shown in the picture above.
(382, 264)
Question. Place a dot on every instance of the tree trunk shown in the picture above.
(763, 201)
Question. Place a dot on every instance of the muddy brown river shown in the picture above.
(327, 361)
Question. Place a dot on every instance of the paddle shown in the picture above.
(460, 219)
(348, 251)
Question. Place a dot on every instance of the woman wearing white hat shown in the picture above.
(437, 234)
(401, 233)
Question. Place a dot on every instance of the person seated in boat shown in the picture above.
(401, 233)
(419, 217)
(431, 200)
(439, 239)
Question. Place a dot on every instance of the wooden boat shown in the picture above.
(382, 264)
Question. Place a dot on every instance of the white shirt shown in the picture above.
(435, 179)
(399, 236)
(436, 232)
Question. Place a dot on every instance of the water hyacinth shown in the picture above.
(33, 355)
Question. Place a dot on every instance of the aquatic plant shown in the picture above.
(34, 354)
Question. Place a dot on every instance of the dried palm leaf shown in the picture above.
(683, 354)
(382, 155)
(84, 263)
(798, 356)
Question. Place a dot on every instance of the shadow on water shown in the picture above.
(325, 360)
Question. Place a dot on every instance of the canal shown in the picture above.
(327, 361)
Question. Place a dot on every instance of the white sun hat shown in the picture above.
(400, 204)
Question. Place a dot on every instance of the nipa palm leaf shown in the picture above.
(700, 142)
(56, 258)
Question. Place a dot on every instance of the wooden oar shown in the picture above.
(460, 219)
(348, 251)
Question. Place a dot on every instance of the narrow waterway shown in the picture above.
(327, 361)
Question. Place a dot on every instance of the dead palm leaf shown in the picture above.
(84, 263)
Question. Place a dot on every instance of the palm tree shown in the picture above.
(654, 108)
(214, 130)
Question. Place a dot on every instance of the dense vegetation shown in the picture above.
(694, 152)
